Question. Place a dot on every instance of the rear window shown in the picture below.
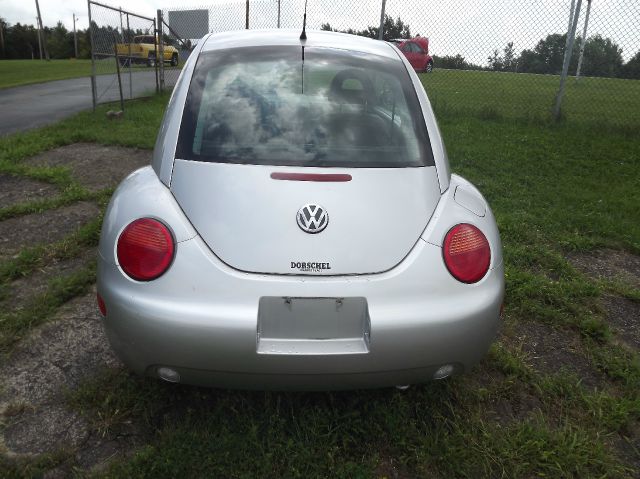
(302, 107)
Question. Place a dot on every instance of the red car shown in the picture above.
(417, 52)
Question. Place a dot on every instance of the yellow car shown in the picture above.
(143, 50)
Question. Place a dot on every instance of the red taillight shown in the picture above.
(101, 306)
(466, 253)
(145, 249)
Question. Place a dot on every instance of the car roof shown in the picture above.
(315, 38)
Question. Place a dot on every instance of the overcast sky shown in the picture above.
(472, 28)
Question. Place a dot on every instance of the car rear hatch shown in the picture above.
(249, 219)
(256, 113)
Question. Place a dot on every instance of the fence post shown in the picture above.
(161, 50)
(584, 39)
(381, 30)
(115, 51)
(93, 60)
(246, 23)
(567, 58)
(129, 59)
(278, 14)
(571, 12)
(155, 52)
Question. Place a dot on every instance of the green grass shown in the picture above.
(493, 95)
(24, 72)
(554, 188)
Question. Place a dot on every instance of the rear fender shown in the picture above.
(141, 195)
(463, 203)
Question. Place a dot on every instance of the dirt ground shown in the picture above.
(71, 348)
(94, 166)
(15, 190)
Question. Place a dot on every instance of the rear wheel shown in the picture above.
(151, 60)
(174, 60)
(429, 67)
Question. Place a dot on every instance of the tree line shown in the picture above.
(602, 56)
(391, 30)
(21, 41)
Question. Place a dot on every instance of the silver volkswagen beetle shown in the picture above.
(299, 227)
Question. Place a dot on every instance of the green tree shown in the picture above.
(632, 68)
(509, 59)
(392, 29)
(547, 56)
(60, 42)
(21, 41)
(602, 57)
(455, 62)
(495, 61)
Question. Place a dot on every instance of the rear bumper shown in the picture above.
(201, 319)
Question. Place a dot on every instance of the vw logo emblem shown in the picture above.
(312, 218)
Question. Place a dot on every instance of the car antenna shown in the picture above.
(303, 35)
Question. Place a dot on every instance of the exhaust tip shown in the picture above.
(168, 374)
(444, 371)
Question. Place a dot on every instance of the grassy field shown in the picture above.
(600, 101)
(25, 72)
(557, 190)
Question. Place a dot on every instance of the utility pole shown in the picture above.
(44, 38)
(39, 37)
(584, 39)
(567, 60)
(246, 25)
(123, 39)
(2, 38)
(75, 36)
(381, 31)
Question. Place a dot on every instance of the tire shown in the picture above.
(151, 60)
(174, 60)
(429, 67)
(124, 62)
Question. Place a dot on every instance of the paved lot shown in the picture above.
(31, 106)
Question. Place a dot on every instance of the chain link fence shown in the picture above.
(506, 58)
(497, 58)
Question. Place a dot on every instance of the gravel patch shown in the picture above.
(94, 166)
(56, 358)
(19, 293)
(623, 315)
(46, 227)
(17, 189)
(46, 428)
(550, 351)
(609, 264)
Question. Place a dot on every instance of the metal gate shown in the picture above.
(124, 54)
